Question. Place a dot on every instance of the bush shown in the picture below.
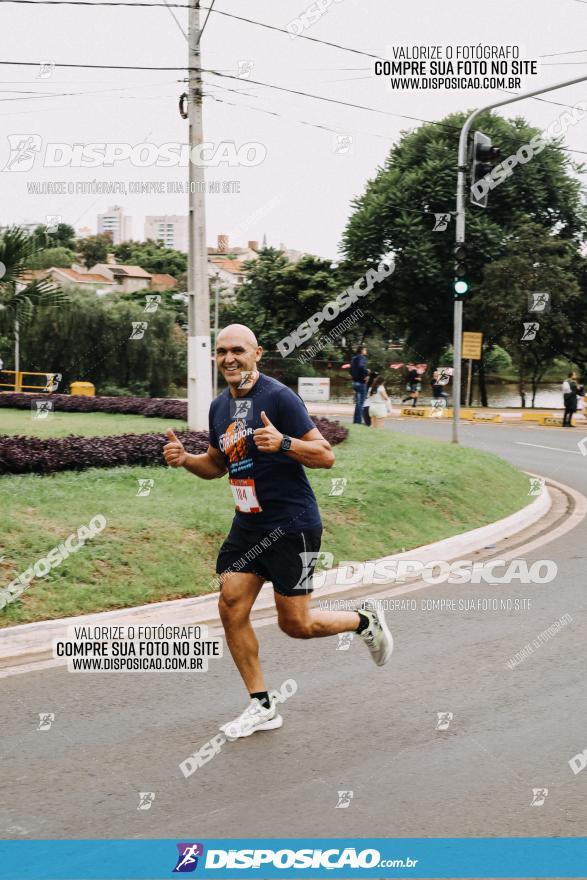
(33, 455)
(148, 406)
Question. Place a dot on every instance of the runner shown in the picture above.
(260, 433)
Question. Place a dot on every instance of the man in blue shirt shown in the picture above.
(261, 435)
(359, 375)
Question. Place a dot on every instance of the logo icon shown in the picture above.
(46, 69)
(531, 328)
(187, 860)
(145, 487)
(42, 409)
(152, 302)
(441, 222)
(46, 719)
(539, 795)
(344, 144)
(344, 641)
(241, 409)
(146, 798)
(244, 68)
(444, 719)
(53, 380)
(536, 485)
(138, 329)
(246, 378)
(23, 151)
(344, 800)
(338, 485)
(53, 221)
(538, 301)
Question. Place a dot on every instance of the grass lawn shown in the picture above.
(401, 492)
(61, 424)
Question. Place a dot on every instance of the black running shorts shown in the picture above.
(288, 560)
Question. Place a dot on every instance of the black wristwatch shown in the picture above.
(285, 443)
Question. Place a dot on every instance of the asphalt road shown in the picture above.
(350, 727)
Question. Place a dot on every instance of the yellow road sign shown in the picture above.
(472, 344)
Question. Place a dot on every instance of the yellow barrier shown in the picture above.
(488, 417)
(51, 383)
(467, 414)
(550, 420)
(82, 389)
(417, 411)
(534, 415)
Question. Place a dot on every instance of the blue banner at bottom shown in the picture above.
(228, 858)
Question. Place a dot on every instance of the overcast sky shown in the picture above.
(301, 193)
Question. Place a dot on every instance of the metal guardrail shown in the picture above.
(51, 380)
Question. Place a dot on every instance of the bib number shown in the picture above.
(245, 496)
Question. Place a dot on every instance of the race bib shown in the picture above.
(245, 496)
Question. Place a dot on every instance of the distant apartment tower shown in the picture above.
(114, 221)
(170, 229)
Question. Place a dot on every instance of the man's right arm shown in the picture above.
(208, 466)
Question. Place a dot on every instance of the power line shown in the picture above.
(205, 22)
(570, 52)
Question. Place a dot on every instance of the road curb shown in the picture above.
(32, 642)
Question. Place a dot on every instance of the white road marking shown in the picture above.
(554, 448)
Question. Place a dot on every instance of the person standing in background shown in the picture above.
(412, 385)
(372, 376)
(569, 390)
(378, 402)
(359, 375)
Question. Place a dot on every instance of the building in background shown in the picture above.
(169, 229)
(126, 278)
(116, 223)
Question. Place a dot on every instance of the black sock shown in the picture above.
(364, 622)
(263, 698)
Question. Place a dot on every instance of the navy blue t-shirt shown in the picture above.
(270, 489)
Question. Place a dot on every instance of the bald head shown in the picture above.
(237, 355)
(240, 332)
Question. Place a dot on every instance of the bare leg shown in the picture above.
(299, 621)
(238, 595)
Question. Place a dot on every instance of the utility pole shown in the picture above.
(460, 232)
(199, 348)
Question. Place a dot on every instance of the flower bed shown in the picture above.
(152, 407)
(35, 455)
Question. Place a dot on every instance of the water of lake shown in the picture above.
(549, 394)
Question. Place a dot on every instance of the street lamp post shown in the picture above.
(460, 232)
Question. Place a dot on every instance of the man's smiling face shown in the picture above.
(237, 353)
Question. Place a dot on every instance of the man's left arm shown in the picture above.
(311, 449)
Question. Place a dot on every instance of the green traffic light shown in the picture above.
(461, 287)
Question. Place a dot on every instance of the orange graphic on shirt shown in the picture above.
(235, 446)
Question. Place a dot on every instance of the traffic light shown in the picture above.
(460, 284)
(484, 156)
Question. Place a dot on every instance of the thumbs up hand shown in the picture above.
(267, 438)
(174, 452)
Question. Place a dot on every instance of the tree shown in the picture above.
(418, 179)
(19, 299)
(91, 341)
(62, 236)
(152, 256)
(278, 295)
(534, 261)
(53, 256)
(95, 248)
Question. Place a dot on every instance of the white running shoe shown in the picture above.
(255, 717)
(377, 636)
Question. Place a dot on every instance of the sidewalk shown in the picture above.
(508, 414)
(32, 643)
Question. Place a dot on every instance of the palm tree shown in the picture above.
(19, 296)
